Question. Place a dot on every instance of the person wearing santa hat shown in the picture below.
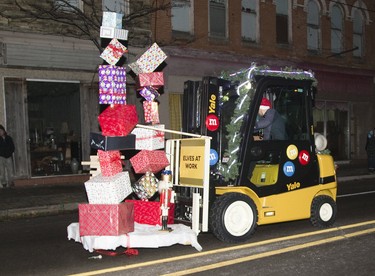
(271, 122)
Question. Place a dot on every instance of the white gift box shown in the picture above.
(147, 139)
(110, 32)
(113, 52)
(135, 68)
(112, 19)
(108, 189)
(149, 60)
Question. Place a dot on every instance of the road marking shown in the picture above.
(268, 254)
(221, 250)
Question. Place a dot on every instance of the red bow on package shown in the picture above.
(110, 162)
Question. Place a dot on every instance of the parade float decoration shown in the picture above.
(120, 213)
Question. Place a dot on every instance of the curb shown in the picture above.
(37, 211)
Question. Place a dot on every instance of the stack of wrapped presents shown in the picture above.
(114, 203)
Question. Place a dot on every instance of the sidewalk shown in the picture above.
(45, 199)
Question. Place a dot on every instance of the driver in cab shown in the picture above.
(271, 122)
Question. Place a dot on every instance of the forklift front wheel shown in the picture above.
(233, 217)
(323, 211)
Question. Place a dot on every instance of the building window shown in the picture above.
(181, 16)
(69, 5)
(218, 18)
(358, 34)
(337, 26)
(118, 6)
(249, 15)
(313, 26)
(282, 21)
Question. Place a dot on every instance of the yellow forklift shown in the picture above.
(232, 176)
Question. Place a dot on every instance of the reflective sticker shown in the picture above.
(304, 157)
(212, 122)
(289, 168)
(214, 157)
(292, 152)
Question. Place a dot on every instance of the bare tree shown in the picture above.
(74, 21)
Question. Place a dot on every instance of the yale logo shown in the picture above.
(293, 186)
(212, 106)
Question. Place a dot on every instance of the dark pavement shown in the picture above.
(17, 202)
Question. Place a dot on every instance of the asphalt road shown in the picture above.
(39, 246)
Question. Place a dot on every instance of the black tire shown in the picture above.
(233, 217)
(323, 211)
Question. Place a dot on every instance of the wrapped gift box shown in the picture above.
(149, 212)
(106, 219)
(135, 68)
(112, 84)
(108, 189)
(113, 52)
(110, 162)
(149, 161)
(149, 93)
(147, 139)
(118, 120)
(154, 79)
(149, 60)
(102, 142)
(146, 186)
(151, 112)
(112, 19)
(110, 32)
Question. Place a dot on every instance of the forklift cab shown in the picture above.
(276, 166)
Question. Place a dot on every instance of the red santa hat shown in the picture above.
(265, 104)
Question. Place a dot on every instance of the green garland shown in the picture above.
(246, 90)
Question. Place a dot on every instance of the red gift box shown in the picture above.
(154, 79)
(106, 219)
(118, 120)
(149, 161)
(151, 112)
(149, 212)
(110, 162)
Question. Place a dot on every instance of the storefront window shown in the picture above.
(332, 120)
(54, 127)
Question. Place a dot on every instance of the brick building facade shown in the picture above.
(332, 38)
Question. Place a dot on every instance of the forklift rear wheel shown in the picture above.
(233, 217)
(323, 211)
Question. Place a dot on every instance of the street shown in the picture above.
(39, 246)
